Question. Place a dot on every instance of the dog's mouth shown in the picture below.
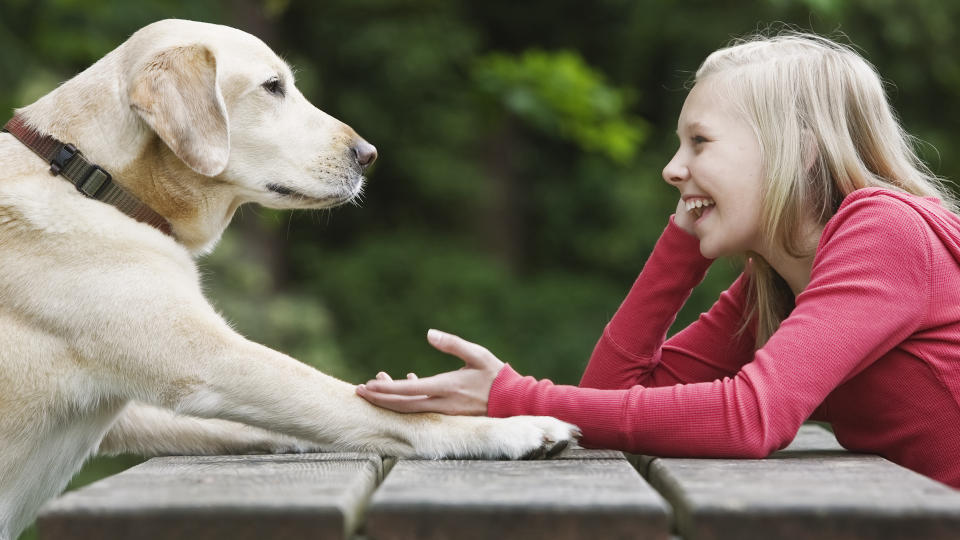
(287, 192)
(303, 198)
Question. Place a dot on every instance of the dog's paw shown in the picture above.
(518, 437)
(532, 437)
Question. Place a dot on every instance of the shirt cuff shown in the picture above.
(506, 394)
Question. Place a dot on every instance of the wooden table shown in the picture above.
(812, 489)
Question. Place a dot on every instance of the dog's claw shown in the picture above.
(536, 453)
(557, 448)
(548, 449)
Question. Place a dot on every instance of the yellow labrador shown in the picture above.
(106, 341)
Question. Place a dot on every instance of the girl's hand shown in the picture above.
(464, 391)
(683, 218)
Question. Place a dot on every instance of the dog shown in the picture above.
(107, 344)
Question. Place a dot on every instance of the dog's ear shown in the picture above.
(177, 94)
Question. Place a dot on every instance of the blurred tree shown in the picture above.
(560, 95)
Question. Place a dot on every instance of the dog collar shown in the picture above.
(89, 178)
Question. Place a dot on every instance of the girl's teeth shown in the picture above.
(699, 203)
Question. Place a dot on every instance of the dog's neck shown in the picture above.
(100, 122)
(199, 208)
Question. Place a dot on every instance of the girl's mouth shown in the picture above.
(702, 213)
(699, 206)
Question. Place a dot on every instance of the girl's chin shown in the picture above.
(709, 250)
(706, 252)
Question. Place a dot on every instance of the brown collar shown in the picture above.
(89, 178)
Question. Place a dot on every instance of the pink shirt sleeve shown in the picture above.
(869, 290)
(632, 351)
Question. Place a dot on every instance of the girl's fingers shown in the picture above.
(443, 393)
(382, 376)
(429, 386)
(472, 354)
(398, 403)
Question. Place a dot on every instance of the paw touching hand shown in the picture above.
(465, 392)
(461, 392)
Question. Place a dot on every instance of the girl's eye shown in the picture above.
(697, 139)
(274, 86)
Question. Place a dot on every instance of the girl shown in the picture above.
(848, 311)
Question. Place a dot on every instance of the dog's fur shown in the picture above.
(106, 341)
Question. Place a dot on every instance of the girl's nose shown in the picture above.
(675, 172)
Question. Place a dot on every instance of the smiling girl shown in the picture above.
(848, 311)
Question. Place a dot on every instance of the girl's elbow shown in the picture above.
(756, 451)
(760, 445)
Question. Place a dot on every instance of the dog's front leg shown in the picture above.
(143, 331)
(151, 431)
(249, 383)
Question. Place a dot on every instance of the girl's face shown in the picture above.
(718, 166)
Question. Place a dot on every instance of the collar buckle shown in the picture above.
(90, 179)
(63, 157)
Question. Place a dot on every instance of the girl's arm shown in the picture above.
(631, 349)
(869, 291)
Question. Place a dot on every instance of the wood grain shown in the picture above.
(221, 497)
(577, 496)
(812, 489)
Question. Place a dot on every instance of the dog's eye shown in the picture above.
(274, 86)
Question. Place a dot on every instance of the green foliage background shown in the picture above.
(518, 188)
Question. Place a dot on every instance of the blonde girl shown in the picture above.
(848, 310)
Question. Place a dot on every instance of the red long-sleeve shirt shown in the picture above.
(872, 346)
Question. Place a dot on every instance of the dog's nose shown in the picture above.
(366, 153)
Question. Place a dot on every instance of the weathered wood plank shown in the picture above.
(812, 489)
(221, 497)
(577, 496)
(586, 453)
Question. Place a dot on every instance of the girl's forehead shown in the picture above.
(707, 105)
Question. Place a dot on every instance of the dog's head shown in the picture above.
(227, 107)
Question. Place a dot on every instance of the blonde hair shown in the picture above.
(825, 129)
